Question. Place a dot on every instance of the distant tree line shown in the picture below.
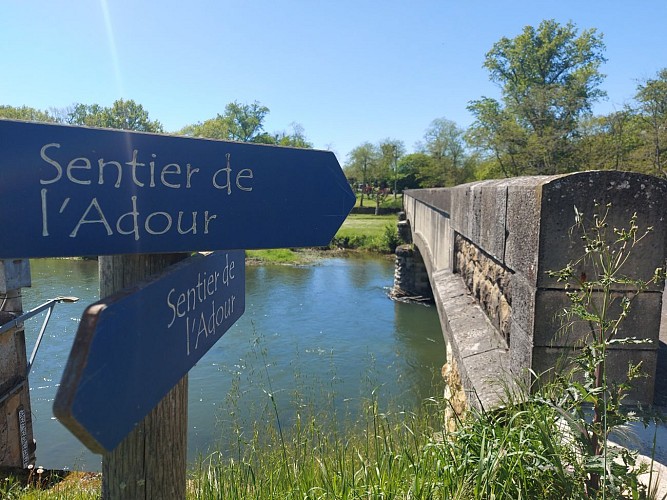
(238, 122)
(549, 79)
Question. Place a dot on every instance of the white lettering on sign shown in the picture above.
(196, 311)
(136, 175)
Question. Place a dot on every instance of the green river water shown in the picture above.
(325, 336)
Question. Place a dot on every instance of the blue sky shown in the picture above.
(347, 71)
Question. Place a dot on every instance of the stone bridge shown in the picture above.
(485, 249)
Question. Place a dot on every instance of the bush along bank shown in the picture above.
(384, 243)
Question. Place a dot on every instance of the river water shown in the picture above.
(324, 336)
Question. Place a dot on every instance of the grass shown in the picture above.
(518, 452)
(50, 486)
(280, 256)
(366, 225)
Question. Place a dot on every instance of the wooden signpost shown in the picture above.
(132, 347)
(138, 200)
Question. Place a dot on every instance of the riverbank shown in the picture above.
(360, 233)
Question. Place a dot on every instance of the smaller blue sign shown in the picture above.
(133, 347)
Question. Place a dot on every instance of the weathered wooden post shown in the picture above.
(16, 439)
(151, 461)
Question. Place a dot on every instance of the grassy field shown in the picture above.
(366, 225)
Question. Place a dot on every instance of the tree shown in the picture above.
(295, 139)
(651, 98)
(609, 142)
(239, 122)
(245, 121)
(409, 167)
(360, 166)
(213, 128)
(123, 115)
(443, 142)
(389, 151)
(26, 113)
(549, 79)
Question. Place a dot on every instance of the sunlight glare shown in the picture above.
(112, 46)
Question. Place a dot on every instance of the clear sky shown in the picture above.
(347, 71)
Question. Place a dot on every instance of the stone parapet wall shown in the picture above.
(488, 281)
(500, 237)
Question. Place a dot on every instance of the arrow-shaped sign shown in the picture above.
(71, 191)
(134, 346)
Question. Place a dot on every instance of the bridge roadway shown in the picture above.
(487, 247)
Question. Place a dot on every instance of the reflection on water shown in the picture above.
(323, 336)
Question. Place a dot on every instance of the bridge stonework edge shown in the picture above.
(519, 229)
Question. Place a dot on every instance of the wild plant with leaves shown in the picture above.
(601, 294)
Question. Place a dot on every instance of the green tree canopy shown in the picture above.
(549, 79)
(213, 128)
(389, 151)
(361, 163)
(296, 138)
(443, 142)
(245, 122)
(411, 167)
(651, 98)
(123, 115)
(26, 113)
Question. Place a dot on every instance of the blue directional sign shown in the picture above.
(134, 346)
(72, 191)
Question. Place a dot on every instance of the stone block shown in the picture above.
(492, 201)
(489, 377)
(627, 193)
(523, 302)
(552, 329)
(545, 358)
(522, 225)
(479, 212)
(404, 231)
(461, 213)
(521, 353)
(438, 198)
